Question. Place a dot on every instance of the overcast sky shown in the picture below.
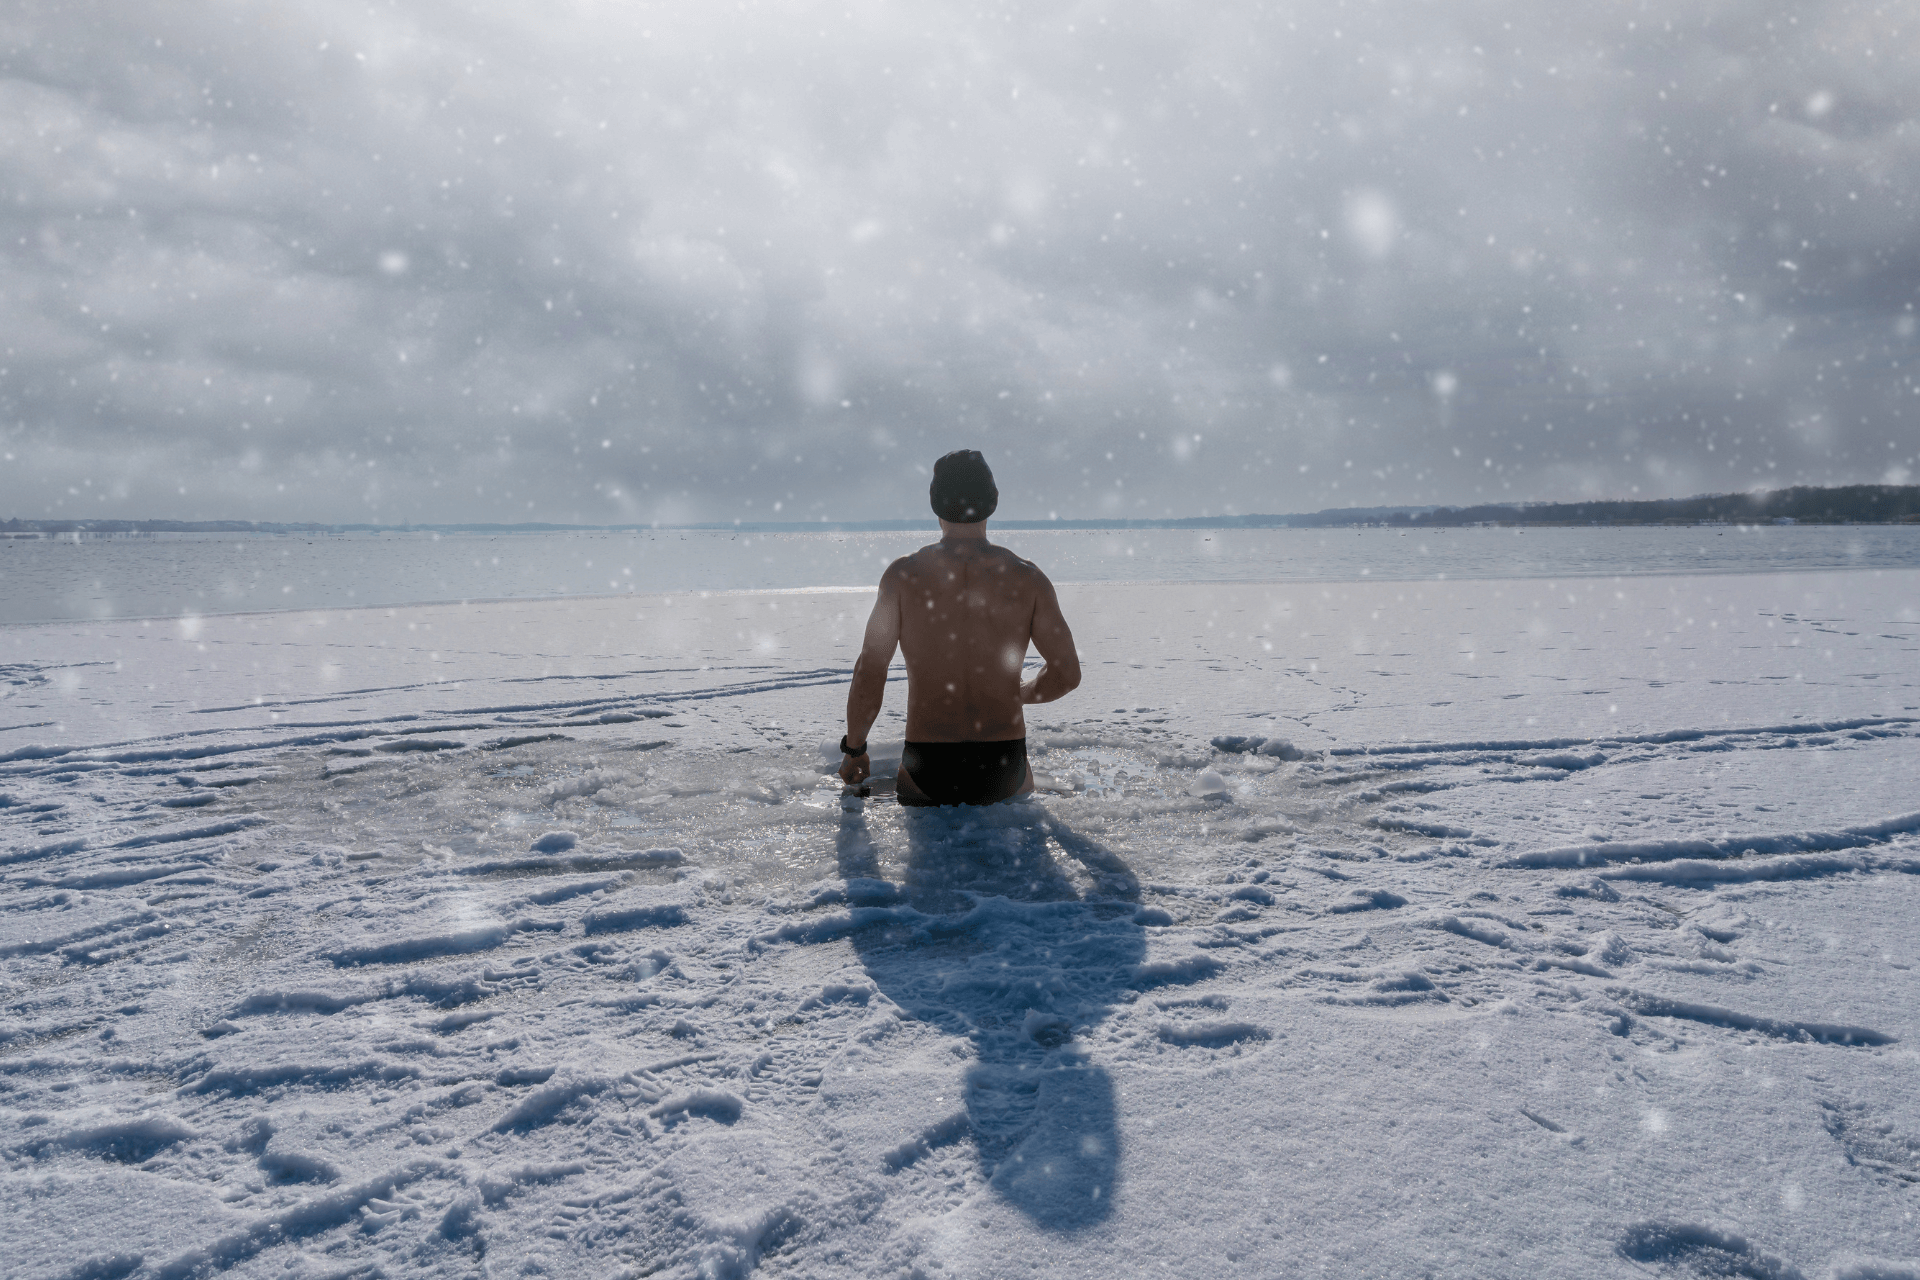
(588, 261)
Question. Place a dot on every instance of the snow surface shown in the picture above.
(1522, 928)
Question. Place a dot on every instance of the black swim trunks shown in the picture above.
(965, 772)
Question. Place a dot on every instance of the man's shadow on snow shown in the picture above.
(1002, 948)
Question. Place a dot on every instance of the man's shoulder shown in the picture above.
(901, 568)
(939, 563)
(916, 561)
(1002, 560)
(1017, 563)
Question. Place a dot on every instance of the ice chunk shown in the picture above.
(1275, 748)
(1209, 783)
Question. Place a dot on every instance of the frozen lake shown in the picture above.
(176, 575)
(1529, 927)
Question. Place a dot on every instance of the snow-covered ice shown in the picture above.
(1501, 928)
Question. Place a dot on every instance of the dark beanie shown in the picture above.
(963, 491)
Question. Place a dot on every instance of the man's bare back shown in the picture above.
(962, 612)
(967, 610)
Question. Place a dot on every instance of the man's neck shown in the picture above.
(974, 532)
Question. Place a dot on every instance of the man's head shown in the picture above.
(963, 491)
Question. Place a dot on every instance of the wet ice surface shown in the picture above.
(1505, 928)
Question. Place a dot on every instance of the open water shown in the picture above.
(191, 574)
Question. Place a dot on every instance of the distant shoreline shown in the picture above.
(1801, 504)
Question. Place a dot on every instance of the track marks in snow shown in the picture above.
(1690, 765)
(1390, 988)
(1476, 930)
(83, 940)
(1873, 1269)
(456, 942)
(1211, 1034)
(122, 1140)
(305, 1218)
(1875, 1146)
(1653, 1006)
(332, 1073)
(714, 1104)
(1724, 847)
(626, 919)
(1691, 871)
(1701, 1250)
(1550, 1125)
(1501, 748)
(585, 861)
(550, 1102)
(942, 1133)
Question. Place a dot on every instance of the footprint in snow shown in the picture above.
(1688, 1248)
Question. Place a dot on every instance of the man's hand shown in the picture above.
(855, 770)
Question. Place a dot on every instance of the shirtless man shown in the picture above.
(962, 611)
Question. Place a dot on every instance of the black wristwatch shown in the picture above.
(846, 750)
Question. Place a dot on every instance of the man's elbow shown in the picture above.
(868, 675)
(1069, 676)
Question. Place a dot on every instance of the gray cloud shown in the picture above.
(595, 262)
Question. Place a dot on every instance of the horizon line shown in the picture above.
(1326, 515)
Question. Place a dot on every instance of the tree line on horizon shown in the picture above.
(1802, 504)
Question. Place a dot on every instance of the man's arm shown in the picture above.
(1051, 637)
(869, 688)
